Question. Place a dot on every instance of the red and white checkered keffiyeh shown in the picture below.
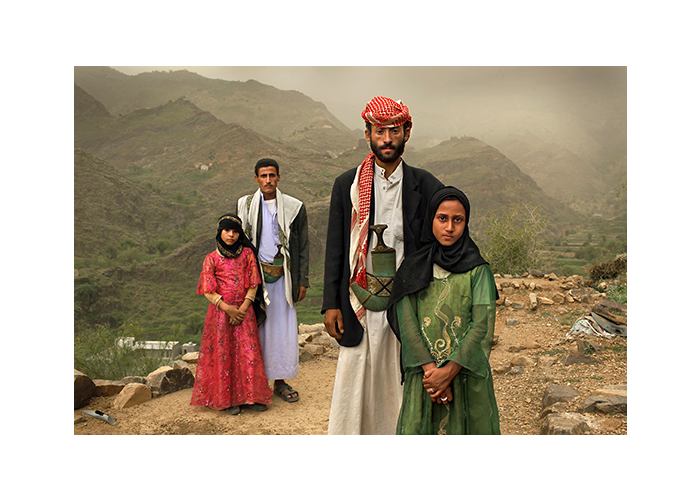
(385, 112)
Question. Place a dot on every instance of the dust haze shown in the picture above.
(580, 108)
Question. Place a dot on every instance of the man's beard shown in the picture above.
(392, 156)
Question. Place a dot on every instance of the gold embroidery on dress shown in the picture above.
(441, 348)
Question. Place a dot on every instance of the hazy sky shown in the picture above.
(446, 101)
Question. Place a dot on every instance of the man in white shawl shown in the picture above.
(277, 225)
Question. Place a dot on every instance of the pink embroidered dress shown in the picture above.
(230, 370)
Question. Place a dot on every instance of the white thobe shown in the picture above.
(367, 391)
(278, 334)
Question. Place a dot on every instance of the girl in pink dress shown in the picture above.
(230, 370)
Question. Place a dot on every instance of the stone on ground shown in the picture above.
(83, 389)
(131, 395)
(565, 424)
(557, 392)
(108, 387)
(167, 379)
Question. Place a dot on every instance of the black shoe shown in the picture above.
(256, 407)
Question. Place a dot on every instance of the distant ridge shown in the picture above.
(282, 114)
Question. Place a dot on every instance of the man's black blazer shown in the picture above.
(417, 189)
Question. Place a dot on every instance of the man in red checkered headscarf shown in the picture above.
(383, 189)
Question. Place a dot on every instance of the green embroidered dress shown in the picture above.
(451, 320)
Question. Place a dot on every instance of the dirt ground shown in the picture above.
(539, 335)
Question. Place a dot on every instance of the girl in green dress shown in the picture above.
(443, 309)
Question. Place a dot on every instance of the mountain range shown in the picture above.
(160, 156)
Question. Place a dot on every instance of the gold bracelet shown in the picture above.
(218, 301)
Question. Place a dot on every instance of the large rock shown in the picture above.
(612, 311)
(609, 399)
(326, 341)
(304, 338)
(557, 392)
(313, 349)
(558, 298)
(187, 366)
(305, 356)
(544, 300)
(83, 389)
(191, 357)
(576, 358)
(132, 394)
(318, 327)
(555, 408)
(522, 361)
(609, 326)
(167, 379)
(565, 423)
(108, 387)
(533, 300)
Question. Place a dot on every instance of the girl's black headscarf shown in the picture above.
(416, 270)
(232, 221)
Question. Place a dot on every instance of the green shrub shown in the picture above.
(513, 239)
(618, 293)
(609, 270)
(85, 296)
(96, 354)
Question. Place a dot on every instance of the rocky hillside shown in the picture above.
(112, 210)
(284, 115)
